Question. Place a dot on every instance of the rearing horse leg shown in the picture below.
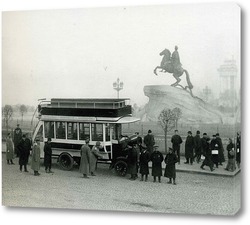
(158, 67)
(177, 80)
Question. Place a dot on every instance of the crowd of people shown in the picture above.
(209, 151)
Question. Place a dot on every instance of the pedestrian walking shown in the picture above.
(35, 159)
(215, 146)
(221, 150)
(197, 147)
(85, 159)
(94, 155)
(238, 149)
(149, 141)
(17, 139)
(24, 148)
(231, 156)
(133, 160)
(170, 160)
(48, 156)
(206, 150)
(156, 158)
(189, 148)
(9, 149)
(176, 142)
(143, 162)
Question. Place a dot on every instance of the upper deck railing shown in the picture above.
(85, 103)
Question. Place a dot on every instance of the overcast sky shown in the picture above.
(81, 52)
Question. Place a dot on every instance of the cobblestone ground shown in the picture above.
(194, 193)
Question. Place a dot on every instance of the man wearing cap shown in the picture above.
(206, 151)
(17, 139)
(149, 141)
(35, 160)
(156, 158)
(170, 161)
(85, 158)
(48, 156)
(94, 155)
(24, 148)
(215, 145)
(189, 148)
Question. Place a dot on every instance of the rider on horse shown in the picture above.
(176, 59)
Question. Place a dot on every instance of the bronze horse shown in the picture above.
(177, 70)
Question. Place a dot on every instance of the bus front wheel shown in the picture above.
(66, 161)
(121, 168)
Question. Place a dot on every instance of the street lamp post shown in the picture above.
(118, 86)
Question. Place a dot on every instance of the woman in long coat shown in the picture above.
(85, 158)
(35, 160)
(156, 158)
(9, 149)
(170, 161)
(94, 156)
(189, 148)
(144, 159)
(231, 166)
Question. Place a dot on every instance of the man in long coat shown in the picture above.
(197, 146)
(215, 146)
(221, 150)
(189, 148)
(133, 160)
(94, 155)
(206, 151)
(48, 156)
(9, 150)
(170, 161)
(176, 142)
(24, 148)
(238, 149)
(144, 160)
(85, 159)
(35, 159)
(149, 141)
(17, 138)
(156, 158)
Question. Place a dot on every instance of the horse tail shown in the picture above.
(188, 80)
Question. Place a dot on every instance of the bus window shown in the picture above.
(72, 131)
(107, 133)
(84, 131)
(60, 130)
(49, 129)
(96, 131)
(117, 131)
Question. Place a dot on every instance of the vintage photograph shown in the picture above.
(131, 109)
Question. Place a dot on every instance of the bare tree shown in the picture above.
(23, 109)
(167, 121)
(178, 113)
(7, 112)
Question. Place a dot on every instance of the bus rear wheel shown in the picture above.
(121, 168)
(66, 161)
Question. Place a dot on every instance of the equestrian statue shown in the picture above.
(173, 65)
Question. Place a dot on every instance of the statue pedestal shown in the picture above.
(194, 110)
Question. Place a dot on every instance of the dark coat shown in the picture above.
(189, 147)
(144, 159)
(149, 141)
(47, 154)
(133, 160)
(24, 148)
(230, 151)
(17, 136)
(197, 144)
(206, 151)
(156, 158)
(221, 150)
(176, 141)
(238, 150)
(215, 145)
(170, 161)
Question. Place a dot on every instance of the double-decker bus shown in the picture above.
(69, 122)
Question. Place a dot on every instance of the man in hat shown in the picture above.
(221, 150)
(170, 161)
(189, 148)
(9, 149)
(24, 148)
(48, 156)
(85, 158)
(238, 149)
(205, 144)
(197, 146)
(156, 158)
(35, 160)
(215, 145)
(176, 142)
(17, 139)
(133, 159)
(94, 155)
(149, 141)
